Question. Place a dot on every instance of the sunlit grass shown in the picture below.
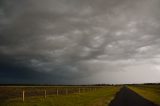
(150, 92)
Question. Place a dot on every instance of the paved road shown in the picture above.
(127, 97)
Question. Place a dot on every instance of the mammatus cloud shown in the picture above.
(79, 41)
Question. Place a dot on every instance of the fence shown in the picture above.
(24, 92)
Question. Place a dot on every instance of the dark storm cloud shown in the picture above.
(69, 41)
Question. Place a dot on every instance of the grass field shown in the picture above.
(150, 92)
(99, 97)
(75, 95)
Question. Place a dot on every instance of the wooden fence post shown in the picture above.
(45, 93)
(23, 95)
(66, 91)
(57, 92)
(79, 90)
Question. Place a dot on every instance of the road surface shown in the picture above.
(127, 97)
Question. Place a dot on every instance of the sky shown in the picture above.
(79, 41)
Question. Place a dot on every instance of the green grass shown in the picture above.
(101, 97)
(150, 92)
